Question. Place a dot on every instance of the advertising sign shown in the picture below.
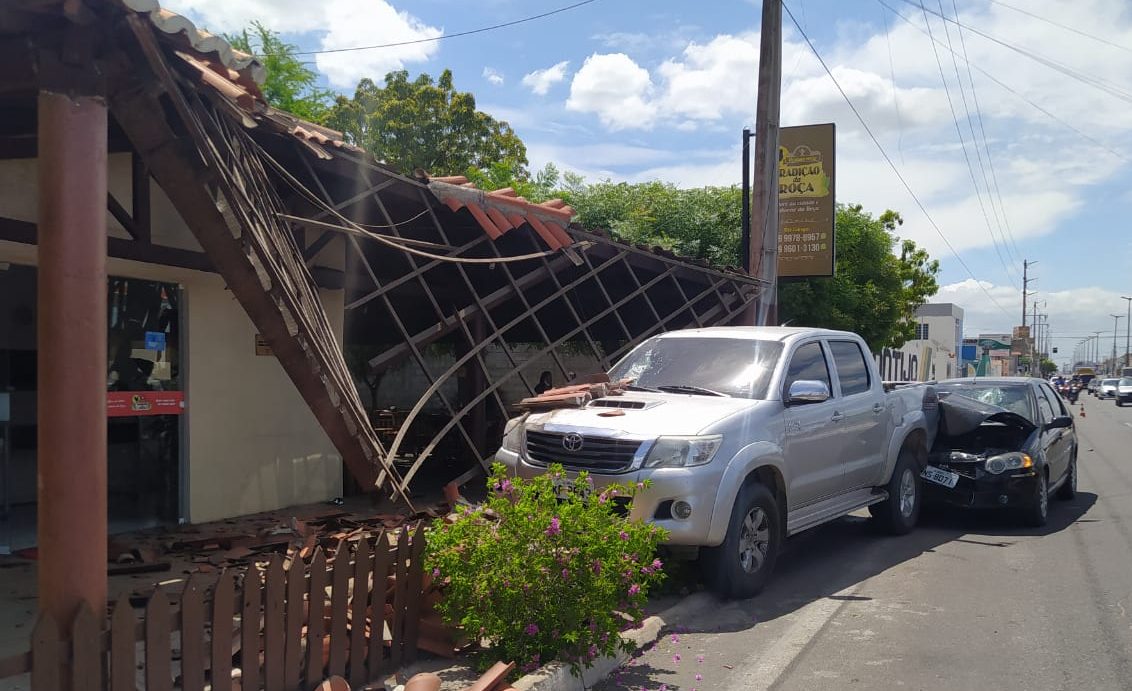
(806, 201)
(137, 403)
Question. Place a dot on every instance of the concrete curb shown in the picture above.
(556, 676)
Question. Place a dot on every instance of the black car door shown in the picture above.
(1054, 441)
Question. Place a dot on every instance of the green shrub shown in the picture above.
(546, 569)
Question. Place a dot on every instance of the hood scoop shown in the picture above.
(623, 403)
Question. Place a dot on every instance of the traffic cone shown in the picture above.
(1082, 409)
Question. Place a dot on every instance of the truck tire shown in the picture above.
(898, 514)
(742, 565)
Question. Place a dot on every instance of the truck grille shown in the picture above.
(599, 454)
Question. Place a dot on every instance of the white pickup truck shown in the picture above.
(747, 435)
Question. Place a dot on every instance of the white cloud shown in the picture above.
(616, 89)
(712, 79)
(337, 23)
(493, 76)
(540, 81)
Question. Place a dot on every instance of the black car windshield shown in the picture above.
(732, 366)
(1013, 397)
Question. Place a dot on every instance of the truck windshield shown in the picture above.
(731, 366)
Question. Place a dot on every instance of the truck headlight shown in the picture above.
(681, 452)
(1014, 460)
(513, 436)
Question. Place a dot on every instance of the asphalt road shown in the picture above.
(967, 601)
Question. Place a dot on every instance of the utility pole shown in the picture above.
(1127, 328)
(1025, 285)
(763, 253)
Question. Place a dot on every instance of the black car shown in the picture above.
(1006, 442)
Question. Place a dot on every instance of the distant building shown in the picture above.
(933, 353)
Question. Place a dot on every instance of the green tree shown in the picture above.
(290, 85)
(427, 124)
(1048, 367)
(873, 292)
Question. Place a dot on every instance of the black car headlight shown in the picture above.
(1015, 460)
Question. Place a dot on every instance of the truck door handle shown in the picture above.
(878, 408)
(837, 417)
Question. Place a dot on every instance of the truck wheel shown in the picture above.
(899, 513)
(742, 565)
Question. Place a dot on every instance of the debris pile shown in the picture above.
(575, 395)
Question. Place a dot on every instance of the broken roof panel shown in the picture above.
(501, 210)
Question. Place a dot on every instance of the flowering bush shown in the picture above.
(546, 568)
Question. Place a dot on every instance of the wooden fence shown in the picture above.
(279, 629)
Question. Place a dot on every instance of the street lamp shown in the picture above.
(1115, 327)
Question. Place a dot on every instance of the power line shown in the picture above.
(431, 39)
(895, 100)
(982, 129)
(1101, 84)
(963, 143)
(888, 159)
(1040, 18)
(1019, 95)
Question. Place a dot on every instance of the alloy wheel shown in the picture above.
(754, 540)
(907, 493)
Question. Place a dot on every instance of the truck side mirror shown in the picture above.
(805, 391)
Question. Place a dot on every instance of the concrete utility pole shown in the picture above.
(1127, 328)
(1026, 284)
(1115, 327)
(763, 255)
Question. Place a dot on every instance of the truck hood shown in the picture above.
(645, 414)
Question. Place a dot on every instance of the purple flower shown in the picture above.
(657, 564)
(634, 589)
(532, 629)
(640, 485)
(506, 487)
(700, 659)
(597, 566)
(436, 573)
(593, 651)
(676, 657)
(624, 535)
(565, 574)
(675, 638)
(602, 498)
(554, 528)
(699, 677)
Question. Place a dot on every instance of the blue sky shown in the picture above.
(660, 89)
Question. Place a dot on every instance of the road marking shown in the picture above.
(1128, 424)
(764, 672)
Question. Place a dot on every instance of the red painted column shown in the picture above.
(71, 334)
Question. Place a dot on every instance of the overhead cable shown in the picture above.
(1051, 22)
(890, 163)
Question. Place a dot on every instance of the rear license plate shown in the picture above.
(940, 476)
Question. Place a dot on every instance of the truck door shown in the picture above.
(811, 432)
(861, 431)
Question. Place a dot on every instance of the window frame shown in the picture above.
(786, 381)
(864, 363)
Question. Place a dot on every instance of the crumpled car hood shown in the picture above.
(961, 415)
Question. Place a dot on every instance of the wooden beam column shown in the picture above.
(71, 332)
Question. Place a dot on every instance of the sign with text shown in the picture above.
(137, 403)
(806, 201)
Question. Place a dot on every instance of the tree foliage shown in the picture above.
(874, 291)
(290, 85)
(427, 124)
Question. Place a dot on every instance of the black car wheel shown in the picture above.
(742, 565)
(1119, 402)
(1068, 489)
(899, 513)
(1037, 513)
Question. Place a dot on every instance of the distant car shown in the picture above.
(1094, 384)
(1107, 388)
(1007, 442)
(1123, 391)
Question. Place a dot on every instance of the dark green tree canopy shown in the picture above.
(426, 124)
(291, 85)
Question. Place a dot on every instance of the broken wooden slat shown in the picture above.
(382, 557)
(358, 603)
(293, 644)
(249, 630)
(192, 635)
(46, 668)
(316, 619)
(123, 653)
(158, 652)
(86, 655)
(400, 590)
(414, 589)
(338, 642)
(223, 609)
(275, 584)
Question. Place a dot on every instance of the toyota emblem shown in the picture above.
(572, 441)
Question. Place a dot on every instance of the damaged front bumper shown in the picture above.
(977, 488)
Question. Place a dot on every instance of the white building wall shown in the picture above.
(252, 443)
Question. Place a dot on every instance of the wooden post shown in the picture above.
(71, 332)
(763, 256)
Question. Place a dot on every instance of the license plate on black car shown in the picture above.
(940, 476)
